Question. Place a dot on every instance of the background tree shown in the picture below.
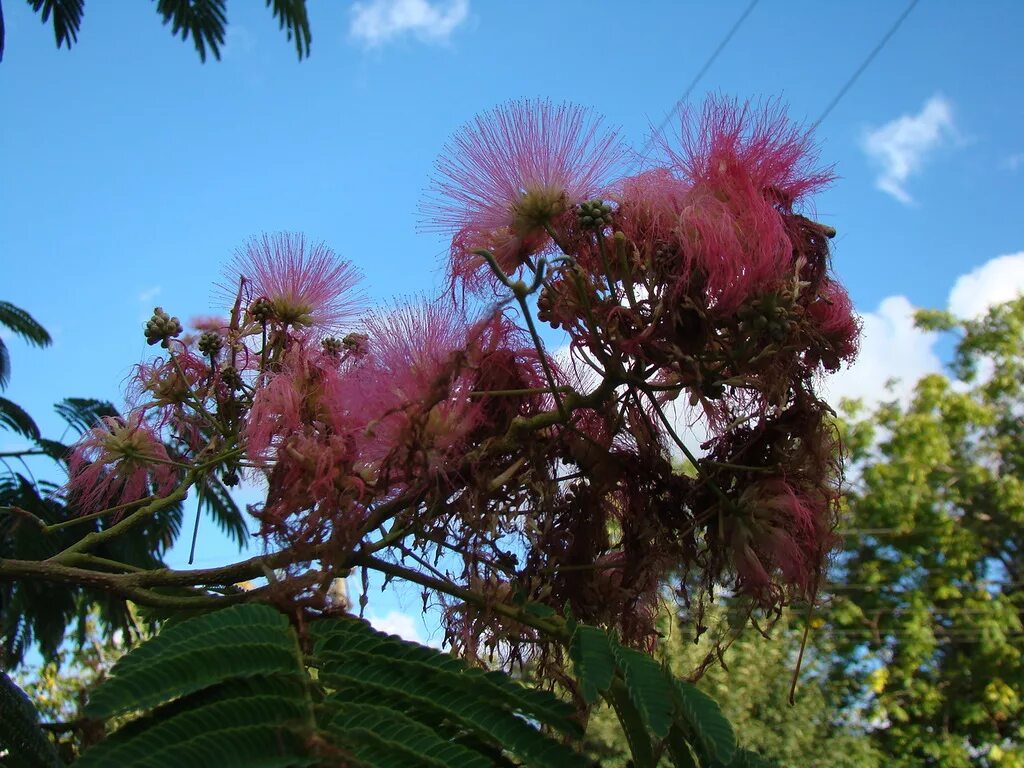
(927, 613)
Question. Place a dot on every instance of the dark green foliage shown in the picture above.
(926, 617)
(594, 661)
(16, 419)
(292, 17)
(83, 413)
(34, 612)
(649, 702)
(25, 745)
(222, 508)
(15, 319)
(240, 687)
(714, 735)
(204, 21)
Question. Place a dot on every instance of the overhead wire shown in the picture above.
(700, 73)
(866, 63)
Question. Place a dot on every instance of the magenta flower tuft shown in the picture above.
(759, 143)
(306, 286)
(513, 171)
(116, 462)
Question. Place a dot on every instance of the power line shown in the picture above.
(864, 64)
(702, 71)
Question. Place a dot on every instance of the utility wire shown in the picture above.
(864, 64)
(701, 72)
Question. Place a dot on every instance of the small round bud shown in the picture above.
(356, 343)
(210, 343)
(261, 310)
(230, 477)
(231, 377)
(332, 346)
(161, 327)
(594, 214)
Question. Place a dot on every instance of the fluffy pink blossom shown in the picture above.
(776, 155)
(746, 167)
(514, 170)
(408, 383)
(306, 394)
(116, 462)
(307, 285)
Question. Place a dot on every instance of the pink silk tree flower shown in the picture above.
(307, 286)
(778, 156)
(116, 462)
(509, 174)
(747, 166)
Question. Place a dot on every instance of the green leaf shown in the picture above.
(421, 686)
(704, 718)
(248, 732)
(203, 20)
(67, 18)
(20, 736)
(391, 725)
(679, 748)
(650, 688)
(223, 509)
(83, 413)
(292, 17)
(744, 758)
(14, 417)
(340, 635)
(240, 641)
(15, 318)
(633, 728)
(593, 661)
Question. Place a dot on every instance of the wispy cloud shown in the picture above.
(149, 294)
(1013, 162)
(376, 22)
(901, 147)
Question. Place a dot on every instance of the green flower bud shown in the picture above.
(161, 327)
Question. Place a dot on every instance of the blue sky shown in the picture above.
(131, 172)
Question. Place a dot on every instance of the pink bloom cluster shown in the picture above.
(693, 285)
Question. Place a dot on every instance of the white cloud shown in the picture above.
(149, 294)
(997, 280)
(404, 625)
(376, 22)
(900, 147)
(891, 348)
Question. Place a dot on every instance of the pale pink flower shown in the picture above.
(305, 395)
(116, 462)
(513, 171)
(307, 285)
(409, 384)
